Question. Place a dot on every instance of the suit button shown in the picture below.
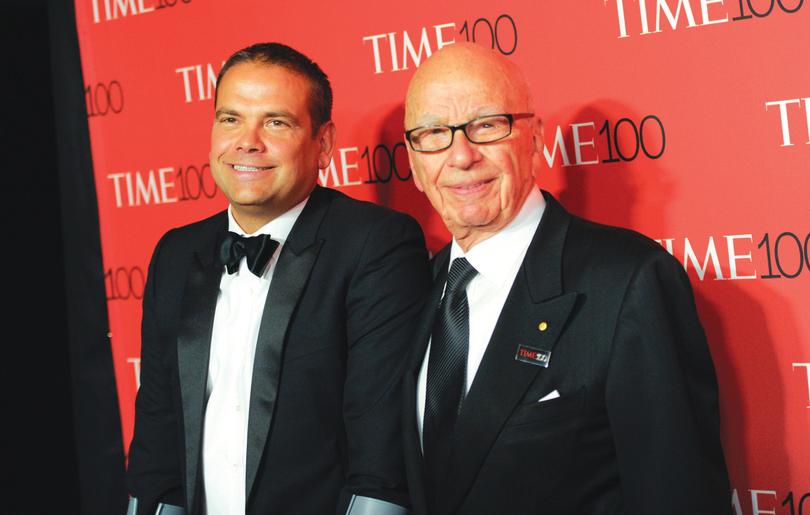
(542, 326)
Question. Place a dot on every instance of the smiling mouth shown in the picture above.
(245, 168)
(472, 187)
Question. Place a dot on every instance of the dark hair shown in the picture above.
(320, 96)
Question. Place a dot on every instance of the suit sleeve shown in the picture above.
(661, 396)
(154, 470)
(385, 295)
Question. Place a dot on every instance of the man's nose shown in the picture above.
(463, 154)
(250, 140)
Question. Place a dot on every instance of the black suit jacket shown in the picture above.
(636, 427)
(324, 410)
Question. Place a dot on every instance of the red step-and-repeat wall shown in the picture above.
(687, 120)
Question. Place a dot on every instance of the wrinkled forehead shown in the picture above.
(455, 88)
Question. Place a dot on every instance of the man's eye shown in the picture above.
(227, 119)
(277, 124)
(430, 132)
(489, 125)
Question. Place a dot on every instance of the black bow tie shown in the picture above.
(257, 250)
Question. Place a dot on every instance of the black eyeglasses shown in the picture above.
(485, 129)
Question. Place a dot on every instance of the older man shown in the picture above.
(274, 332)
(560, 365)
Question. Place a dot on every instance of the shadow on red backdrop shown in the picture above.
(405, 197)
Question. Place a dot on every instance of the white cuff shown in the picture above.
(162, 509)
(360, 505)
(169, 509)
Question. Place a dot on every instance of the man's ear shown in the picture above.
(415, 176)
(326, 140)
(538, 143)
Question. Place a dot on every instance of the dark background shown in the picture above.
(62, 450)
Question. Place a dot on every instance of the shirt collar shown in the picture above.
(497, 257)
(278, 228)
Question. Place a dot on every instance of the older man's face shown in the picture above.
(476, 188)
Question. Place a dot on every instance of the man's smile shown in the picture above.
(470, 188)
(249, 168)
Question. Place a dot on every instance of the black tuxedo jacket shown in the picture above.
(635, 429)
(324, 408)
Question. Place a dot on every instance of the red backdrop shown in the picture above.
(687, 120)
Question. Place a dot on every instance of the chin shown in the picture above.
(475, 218)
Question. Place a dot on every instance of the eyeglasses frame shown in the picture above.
(463, 127)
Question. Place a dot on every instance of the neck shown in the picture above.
(467, 239)
(251, 218)
(249, 224)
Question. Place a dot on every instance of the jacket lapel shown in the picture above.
(194, 344)
(428, 315)
(501, 381)
(412, 446)
(289, 279)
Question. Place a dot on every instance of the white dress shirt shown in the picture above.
(497, 260)
(240, 304)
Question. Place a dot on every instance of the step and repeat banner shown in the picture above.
(687, 120)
